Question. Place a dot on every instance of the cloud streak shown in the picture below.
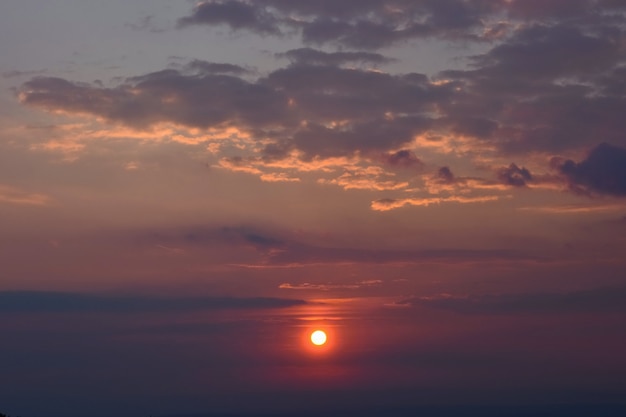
(602, 300)
(14, 196)
(393, 204)
(59, 302)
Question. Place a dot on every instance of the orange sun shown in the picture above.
(318, 337)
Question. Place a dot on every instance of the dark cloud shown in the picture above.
(550, 86)
(445, 175)
(553, 82)
(58, 302)
(294, 105)
(403, 158)
(376, 135)
(604, 300)
(542, 9)
(278, 248)
(235, 14)
(473, 126)
(231, 235)
(366, 24)
(146, 23)
(16, 73)
(301, 254)
(309, 56)
(202, 100)
(372, 24)
(514, 176)
(602, 172)
(204, 67)
(361, 35)
(550, 51)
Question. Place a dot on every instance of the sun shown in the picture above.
(318, 337)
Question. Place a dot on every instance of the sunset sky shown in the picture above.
(187, 190)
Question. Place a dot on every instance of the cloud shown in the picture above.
(367, 24)
(445, 175)
(446, 182)
(329, 286)
(16, 73)
(234, 235)
(59, 302)
(199, 66)
(321, 111)
(544, 88)
(298, 254)
(602, 172)
(549, 81)
(309, 56)
(514, 176)
(164, 96)
(15, 196)
(392, 203)
(369, 178)
(403, 158)
(533, 9)
(285, 249)
(573, 209)
(603, 300)
(538, 52)
(372, 24)
(235, 14)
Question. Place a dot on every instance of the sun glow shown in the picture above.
(318, 338)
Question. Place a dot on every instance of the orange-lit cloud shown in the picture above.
(392, 204)
(12, 195)
(368, 178)
(574, 209)
(330, 286)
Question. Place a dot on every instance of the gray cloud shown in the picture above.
(199, 100)
(514, 175)
(309, 56)
(372, 24)
(293, 103)
(553, 82)
(604, 300)
(300, 254)
(235, 14)
(550, 86)
(602, 172)
(16, 73)
(365, 24)
(403, 158)
(278, 248)
(549, 51)
(445, 175)
(58, 302)
(375, 135)
(204, 67)
(231, 235)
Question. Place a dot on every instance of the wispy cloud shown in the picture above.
(58, 302)
(602, 300)
(574, 209)
(392, 204)
(12, 195)
(330, 286)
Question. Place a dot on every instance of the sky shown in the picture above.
(187, 190)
